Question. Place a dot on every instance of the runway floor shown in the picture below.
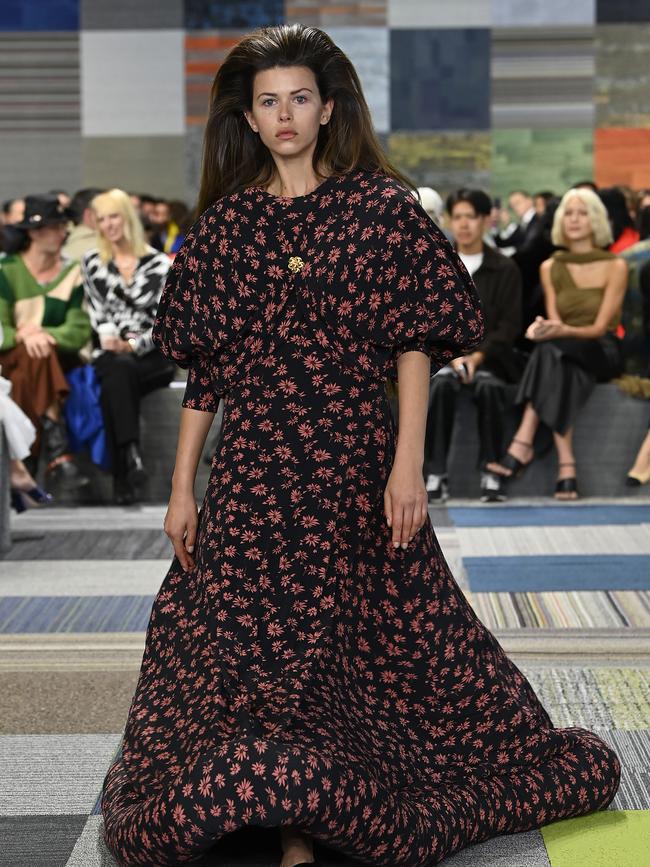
(565, 588)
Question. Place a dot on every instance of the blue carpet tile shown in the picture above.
(49, 614)
(540, 573)
(548, 516)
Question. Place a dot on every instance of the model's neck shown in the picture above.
(294, 177)
(41, 261)
(470, 249)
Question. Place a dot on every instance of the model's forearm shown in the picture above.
(413, 370)
(193, 430)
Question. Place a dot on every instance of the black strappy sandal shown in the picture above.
(510, 462)
(567, 486)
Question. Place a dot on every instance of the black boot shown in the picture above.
(135, 471)
(130, 475)
(60, 470)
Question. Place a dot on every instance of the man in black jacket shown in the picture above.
(487, 370)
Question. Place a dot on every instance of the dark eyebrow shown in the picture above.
(292, 92)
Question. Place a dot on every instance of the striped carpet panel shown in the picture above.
(39, 82)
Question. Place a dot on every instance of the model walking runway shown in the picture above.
(306, 672)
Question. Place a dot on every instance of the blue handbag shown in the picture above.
(83, 415)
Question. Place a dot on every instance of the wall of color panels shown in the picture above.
(496, 93)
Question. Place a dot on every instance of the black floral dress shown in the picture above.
(307, 672)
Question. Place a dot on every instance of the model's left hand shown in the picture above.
(546, 329)
(405, 501)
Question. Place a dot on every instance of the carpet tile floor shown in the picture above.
(565, 588)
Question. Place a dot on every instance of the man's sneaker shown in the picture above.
(437, 488)
(492, 488)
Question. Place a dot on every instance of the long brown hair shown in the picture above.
(234, 157)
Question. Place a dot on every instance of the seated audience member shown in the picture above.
(584, 287)
(62, 196)
(541, 200)
(643, 200)
(123, 281)
(431, 201)
(623, 232)
(147, 206)
(638, 254)
(528, 246)
(518, 232)
(19, 435)
(44, 327)
(636, 336)
(13, 211)
(171, 221)
(486, 370)
(82, 237)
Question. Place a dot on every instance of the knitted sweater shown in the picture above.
(55, 306)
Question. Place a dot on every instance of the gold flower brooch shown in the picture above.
(296, 264)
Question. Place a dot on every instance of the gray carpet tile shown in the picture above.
(59, 775)
(82, 577)
(571, 696)
(82, 544)
(633, 749)
(38, 841)
(512, 850)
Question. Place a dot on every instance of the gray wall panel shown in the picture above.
(151, 164)
(34, 163)
(127, 15)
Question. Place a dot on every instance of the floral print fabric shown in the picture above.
(306, 672)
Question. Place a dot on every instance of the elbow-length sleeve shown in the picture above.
(432, 304)
(404, 288)
(203, 313)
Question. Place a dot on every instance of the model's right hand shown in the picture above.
(181, 522)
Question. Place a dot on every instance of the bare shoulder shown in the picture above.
(617, 267)
(545, 267)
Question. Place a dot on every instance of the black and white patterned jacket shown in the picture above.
(132, 308)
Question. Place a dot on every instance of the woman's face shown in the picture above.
(287, 110)
(577, 225)
(111, 225)
(50, 238)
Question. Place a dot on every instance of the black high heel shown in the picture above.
(510, 462)
(567, 486)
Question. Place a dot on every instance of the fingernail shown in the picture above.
(404, 544)
(395, 544)
(190, 549)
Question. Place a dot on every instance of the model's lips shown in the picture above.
(286, 133)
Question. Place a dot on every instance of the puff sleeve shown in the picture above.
(403, 289)
(204, 313)
(433, 306)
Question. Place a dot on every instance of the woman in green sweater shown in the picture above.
(43, 328)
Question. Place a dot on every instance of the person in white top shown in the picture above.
(486, 371)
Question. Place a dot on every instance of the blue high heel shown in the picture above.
(32, 499)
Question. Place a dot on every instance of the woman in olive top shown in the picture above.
(584, 286)
(43, 328)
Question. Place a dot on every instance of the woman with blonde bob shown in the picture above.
(576, 342)
(123, 280)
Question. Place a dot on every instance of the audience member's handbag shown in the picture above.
(83, 415)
